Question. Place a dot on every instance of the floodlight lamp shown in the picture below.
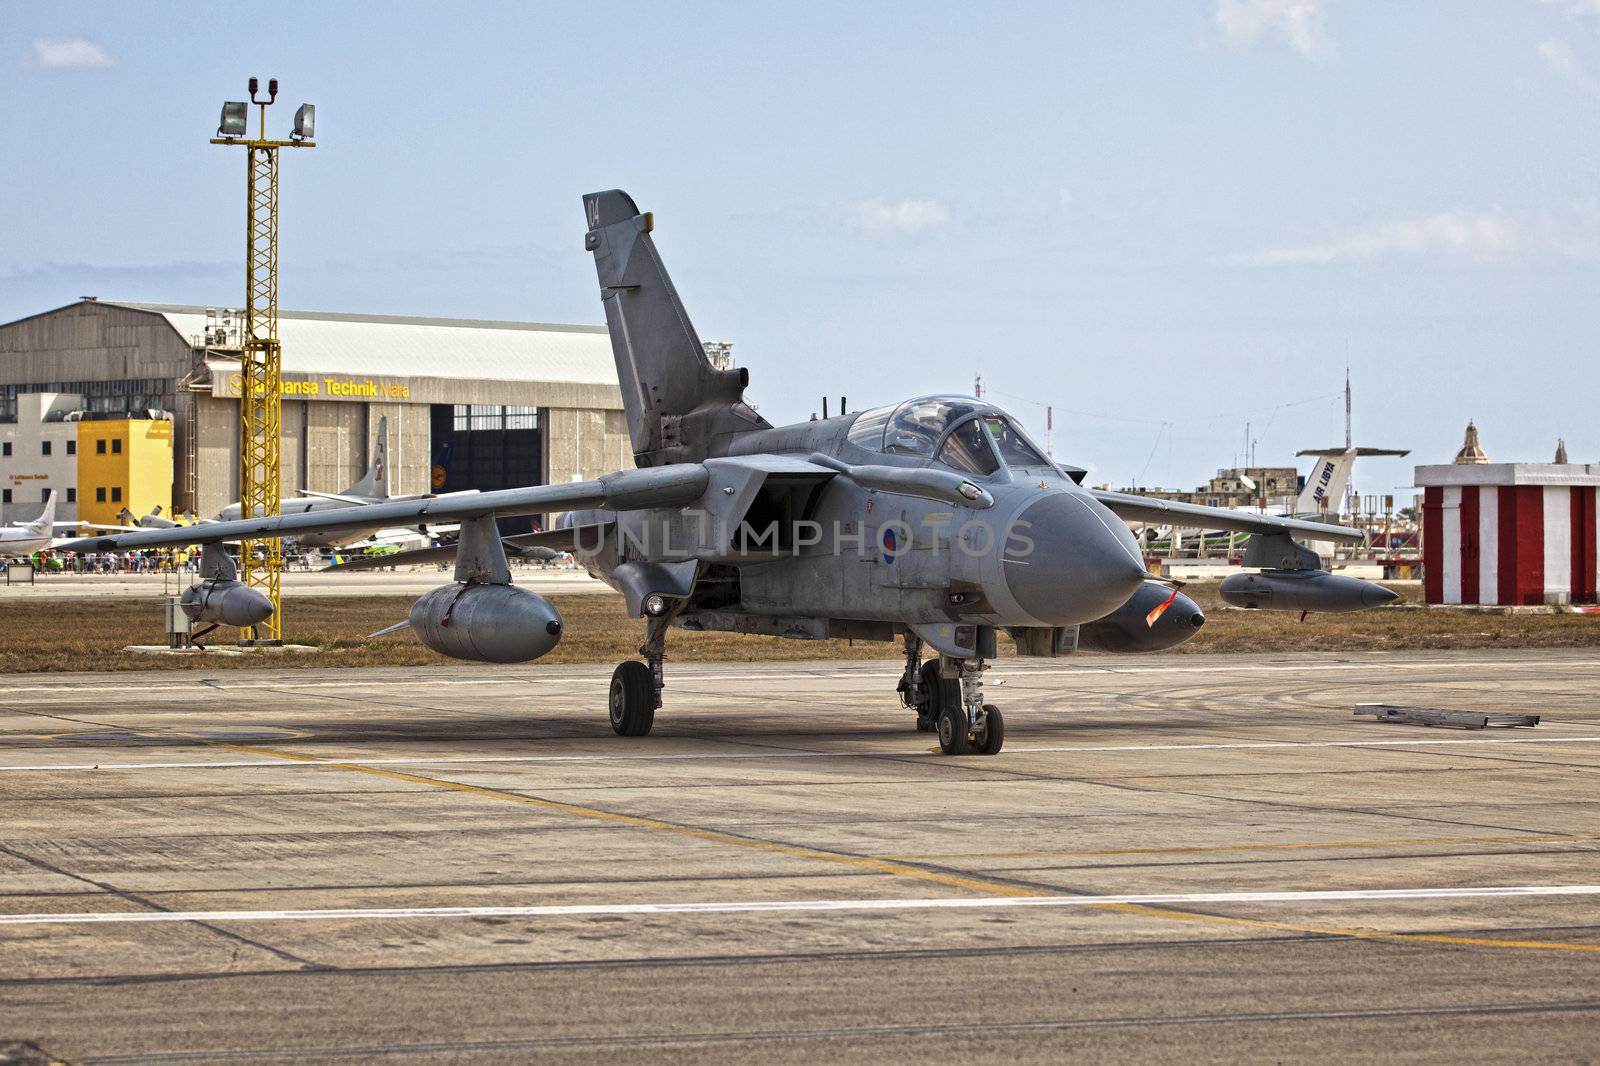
(234, 116)
(305, 122)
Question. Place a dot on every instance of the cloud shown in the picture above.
(1245, 23)
(1564, 64)
(898, 218)
(1578, 7)
(69, 52)
(1480, 236)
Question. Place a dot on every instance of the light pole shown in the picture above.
(260, 364)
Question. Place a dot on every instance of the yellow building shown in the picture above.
(123, 462)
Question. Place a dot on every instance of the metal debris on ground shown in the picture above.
(1388, 712)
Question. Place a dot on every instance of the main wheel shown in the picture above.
(936, 692)
(633, 699)
(953, 727)
(994, 731)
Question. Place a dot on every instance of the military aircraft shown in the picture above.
(935, 522)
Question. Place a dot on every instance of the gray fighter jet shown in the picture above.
(935, 522)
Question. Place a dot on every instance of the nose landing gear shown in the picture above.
(967, 725)
(947, 695)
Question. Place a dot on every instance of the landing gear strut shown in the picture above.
(636, 687)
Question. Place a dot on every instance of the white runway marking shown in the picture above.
(315, 762)
(871, 669)
(793, 906)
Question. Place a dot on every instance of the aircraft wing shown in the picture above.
(1167, 512)
(627, 490)
(354, 501)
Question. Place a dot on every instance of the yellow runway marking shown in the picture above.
(893, 867)
(1307, 845)
(859, 862)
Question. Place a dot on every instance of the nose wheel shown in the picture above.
(953, 707)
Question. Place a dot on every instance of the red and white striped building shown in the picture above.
(1510, 533)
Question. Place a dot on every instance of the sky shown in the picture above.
(1175, 222)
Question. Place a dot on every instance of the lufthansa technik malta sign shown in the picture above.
(332, 388)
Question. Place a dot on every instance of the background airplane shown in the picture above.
(25, 538)
(373, 488)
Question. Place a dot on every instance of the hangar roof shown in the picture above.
(402, 346)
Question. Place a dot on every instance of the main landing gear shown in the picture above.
(636, 686)
(947, 694)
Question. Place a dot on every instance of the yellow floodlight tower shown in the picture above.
(260, 366)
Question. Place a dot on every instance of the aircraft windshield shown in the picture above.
(967, 449)
(1015, 448)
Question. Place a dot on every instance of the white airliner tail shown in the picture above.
(45, 524)
(1325, 485)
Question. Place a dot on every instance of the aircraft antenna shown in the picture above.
(1348, 438)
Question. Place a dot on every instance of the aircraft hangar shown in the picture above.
(469, 404)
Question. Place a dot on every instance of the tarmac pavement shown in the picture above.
(1204, 858)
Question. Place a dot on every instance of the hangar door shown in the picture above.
(484, 447)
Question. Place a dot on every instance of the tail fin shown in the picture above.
(45, 524)
(1325, 485)
(376, 481)
(678, 404)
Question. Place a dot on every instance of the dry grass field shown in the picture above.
(77, 636)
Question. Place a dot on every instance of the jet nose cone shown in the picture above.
(1377, 596)
(1069, 560)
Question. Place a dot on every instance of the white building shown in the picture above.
(38, 453)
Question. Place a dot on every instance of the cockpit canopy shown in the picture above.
(960, 432)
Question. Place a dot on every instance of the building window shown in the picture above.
(116, 447)
(44, 447)
(99, 447)
(116, 494)
(99, 495)
(72, 447)
(72, 495)
(493, 417)
(6, 447)
(5, 495)
(44, 495)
